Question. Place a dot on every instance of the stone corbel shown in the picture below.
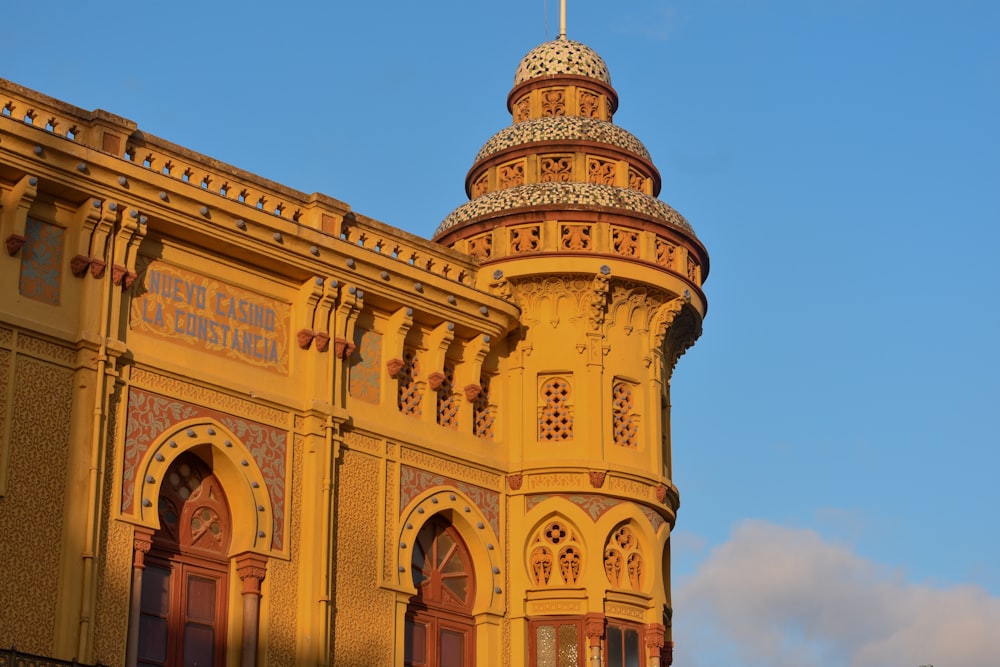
(438, 342)
(309, 295)
(469, 374)
(352, 301)
(133, 230)
(98, 249)
(14, 208)
(394, 340)
(321, 318)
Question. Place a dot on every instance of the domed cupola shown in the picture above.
(563, 178)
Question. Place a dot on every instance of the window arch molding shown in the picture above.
(650, 545)
(230, 461)
(473, 526)
(570, 537)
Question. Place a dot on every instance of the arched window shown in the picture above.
(439, 625)
(184, 585)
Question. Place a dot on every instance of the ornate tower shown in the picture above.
(565, 221)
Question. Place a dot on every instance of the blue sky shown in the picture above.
(839, 158)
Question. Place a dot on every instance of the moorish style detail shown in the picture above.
(235, 399)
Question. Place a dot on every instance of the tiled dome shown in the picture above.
(571, 195)
(562, 128)
(562, 56)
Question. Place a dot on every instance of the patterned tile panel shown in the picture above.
(574, 195)
(41, 262)
(149, 415)
(413, 482)
(366, 366)
(563, 128)
(562, 56)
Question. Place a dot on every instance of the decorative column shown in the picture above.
(654, 636)
(142, 541)
(593, 626)
(251, 568)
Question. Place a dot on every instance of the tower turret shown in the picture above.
(564, 217)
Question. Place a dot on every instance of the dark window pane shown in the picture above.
(415, 650)
(616, 653)
(152, 638)
(631, 648)
(452, 649)
(198, 646)
(201, 599)
(155, 589)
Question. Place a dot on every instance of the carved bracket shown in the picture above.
(472, 392)
(14, 243)
(342, 348)
(514, 481)
(393, 367)
(597, 478)
(435, 380)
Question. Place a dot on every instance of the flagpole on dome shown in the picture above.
(562, 19)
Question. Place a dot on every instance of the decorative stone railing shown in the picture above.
(121, 138)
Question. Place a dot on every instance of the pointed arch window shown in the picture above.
(185, 583)
(439, 624)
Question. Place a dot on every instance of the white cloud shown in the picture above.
(779, 597)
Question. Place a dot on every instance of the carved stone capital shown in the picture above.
(514, 481)
(393, 367)
(597, 478)
(593, 627)
(654, 637)
(435, 380)
(78, 265)
(142, 542)
(322, 340)
(304, 338)
(129, 279)
(472, 392)
(14, 243)
(251, 568)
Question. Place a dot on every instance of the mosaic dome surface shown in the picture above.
(562, 56)
(582, 195)
(562, 128)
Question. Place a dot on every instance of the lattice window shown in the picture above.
(636, 180)
(481, 186)
(694, 271)
(576, 237)
(524, 239)
(555, 557)
(556, 419)
(624, 421)
(625, 241)
(482, 412)
(556, 168)
(665, 254)
(590, 104)
(447, 399)
(410, 395)
(601, 172)
(481, 247)
(623, 562)
(553, 102)
(522, 109)
(510, 174)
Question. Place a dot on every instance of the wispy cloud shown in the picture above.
(781, 597)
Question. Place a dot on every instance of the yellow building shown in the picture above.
(242, 425)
